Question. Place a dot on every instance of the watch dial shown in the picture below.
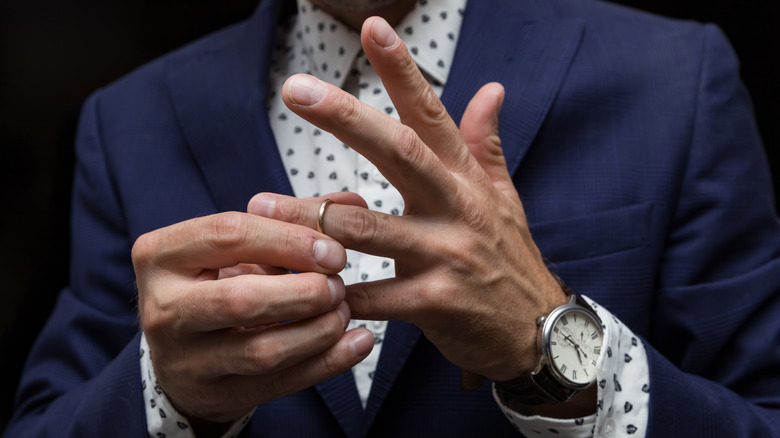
(575, 346)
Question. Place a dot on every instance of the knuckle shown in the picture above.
(232, 301)
(266, 356)
(144, 248)
(350, 111)
(154, 316)
(362, 225)
(293, 240)
(228, 230)
(407, 65)
(292, 212)
(315, 295)
(157, 307)
(149, 319)
(334, 362)
(331, 364)
(433, 111)
(409, 150)
(307, 299)
(330, 329)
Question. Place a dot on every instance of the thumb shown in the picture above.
(479, 128)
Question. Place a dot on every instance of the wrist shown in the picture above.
(528, 348)
(569, 342)
(529, 343)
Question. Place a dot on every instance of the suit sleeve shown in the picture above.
(82, 377)
(713, 350)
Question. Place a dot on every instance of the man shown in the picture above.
(627, 136)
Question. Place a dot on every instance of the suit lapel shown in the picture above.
(523, 46)
(341, 396)
(218, 93)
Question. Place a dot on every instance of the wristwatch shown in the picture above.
(570, 338)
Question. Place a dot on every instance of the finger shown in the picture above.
(275, 206)
(417, 104)
(390, 299)
(252, 301)
(479, 128)
(395, 149)
(270, 349)
(350, 349)
(227, 239)
(225, 398)
(420, 300)
(356, 227)
(369, 304)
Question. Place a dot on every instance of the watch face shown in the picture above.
(575, 345)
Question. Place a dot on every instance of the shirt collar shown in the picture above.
(430, 31)
(328, 45)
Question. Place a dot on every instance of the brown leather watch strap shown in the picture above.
(540, 388)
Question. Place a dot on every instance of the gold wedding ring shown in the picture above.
(321, 215)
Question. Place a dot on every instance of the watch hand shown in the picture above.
(570, 339)
(576, 346)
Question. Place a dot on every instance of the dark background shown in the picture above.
(54, 53)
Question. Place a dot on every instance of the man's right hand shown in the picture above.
(229, 326)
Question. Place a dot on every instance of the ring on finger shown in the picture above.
(321, 215)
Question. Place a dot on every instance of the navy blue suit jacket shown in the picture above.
(631, 141)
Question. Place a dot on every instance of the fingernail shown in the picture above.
(362, 343)
(305, 90)
(383, 34)
(336, 287)
(262, 205)
(329, 254)
(344, 314)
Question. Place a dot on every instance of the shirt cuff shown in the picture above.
(162, 419)
(623, 377)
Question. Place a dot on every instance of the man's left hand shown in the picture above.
(467, 270)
